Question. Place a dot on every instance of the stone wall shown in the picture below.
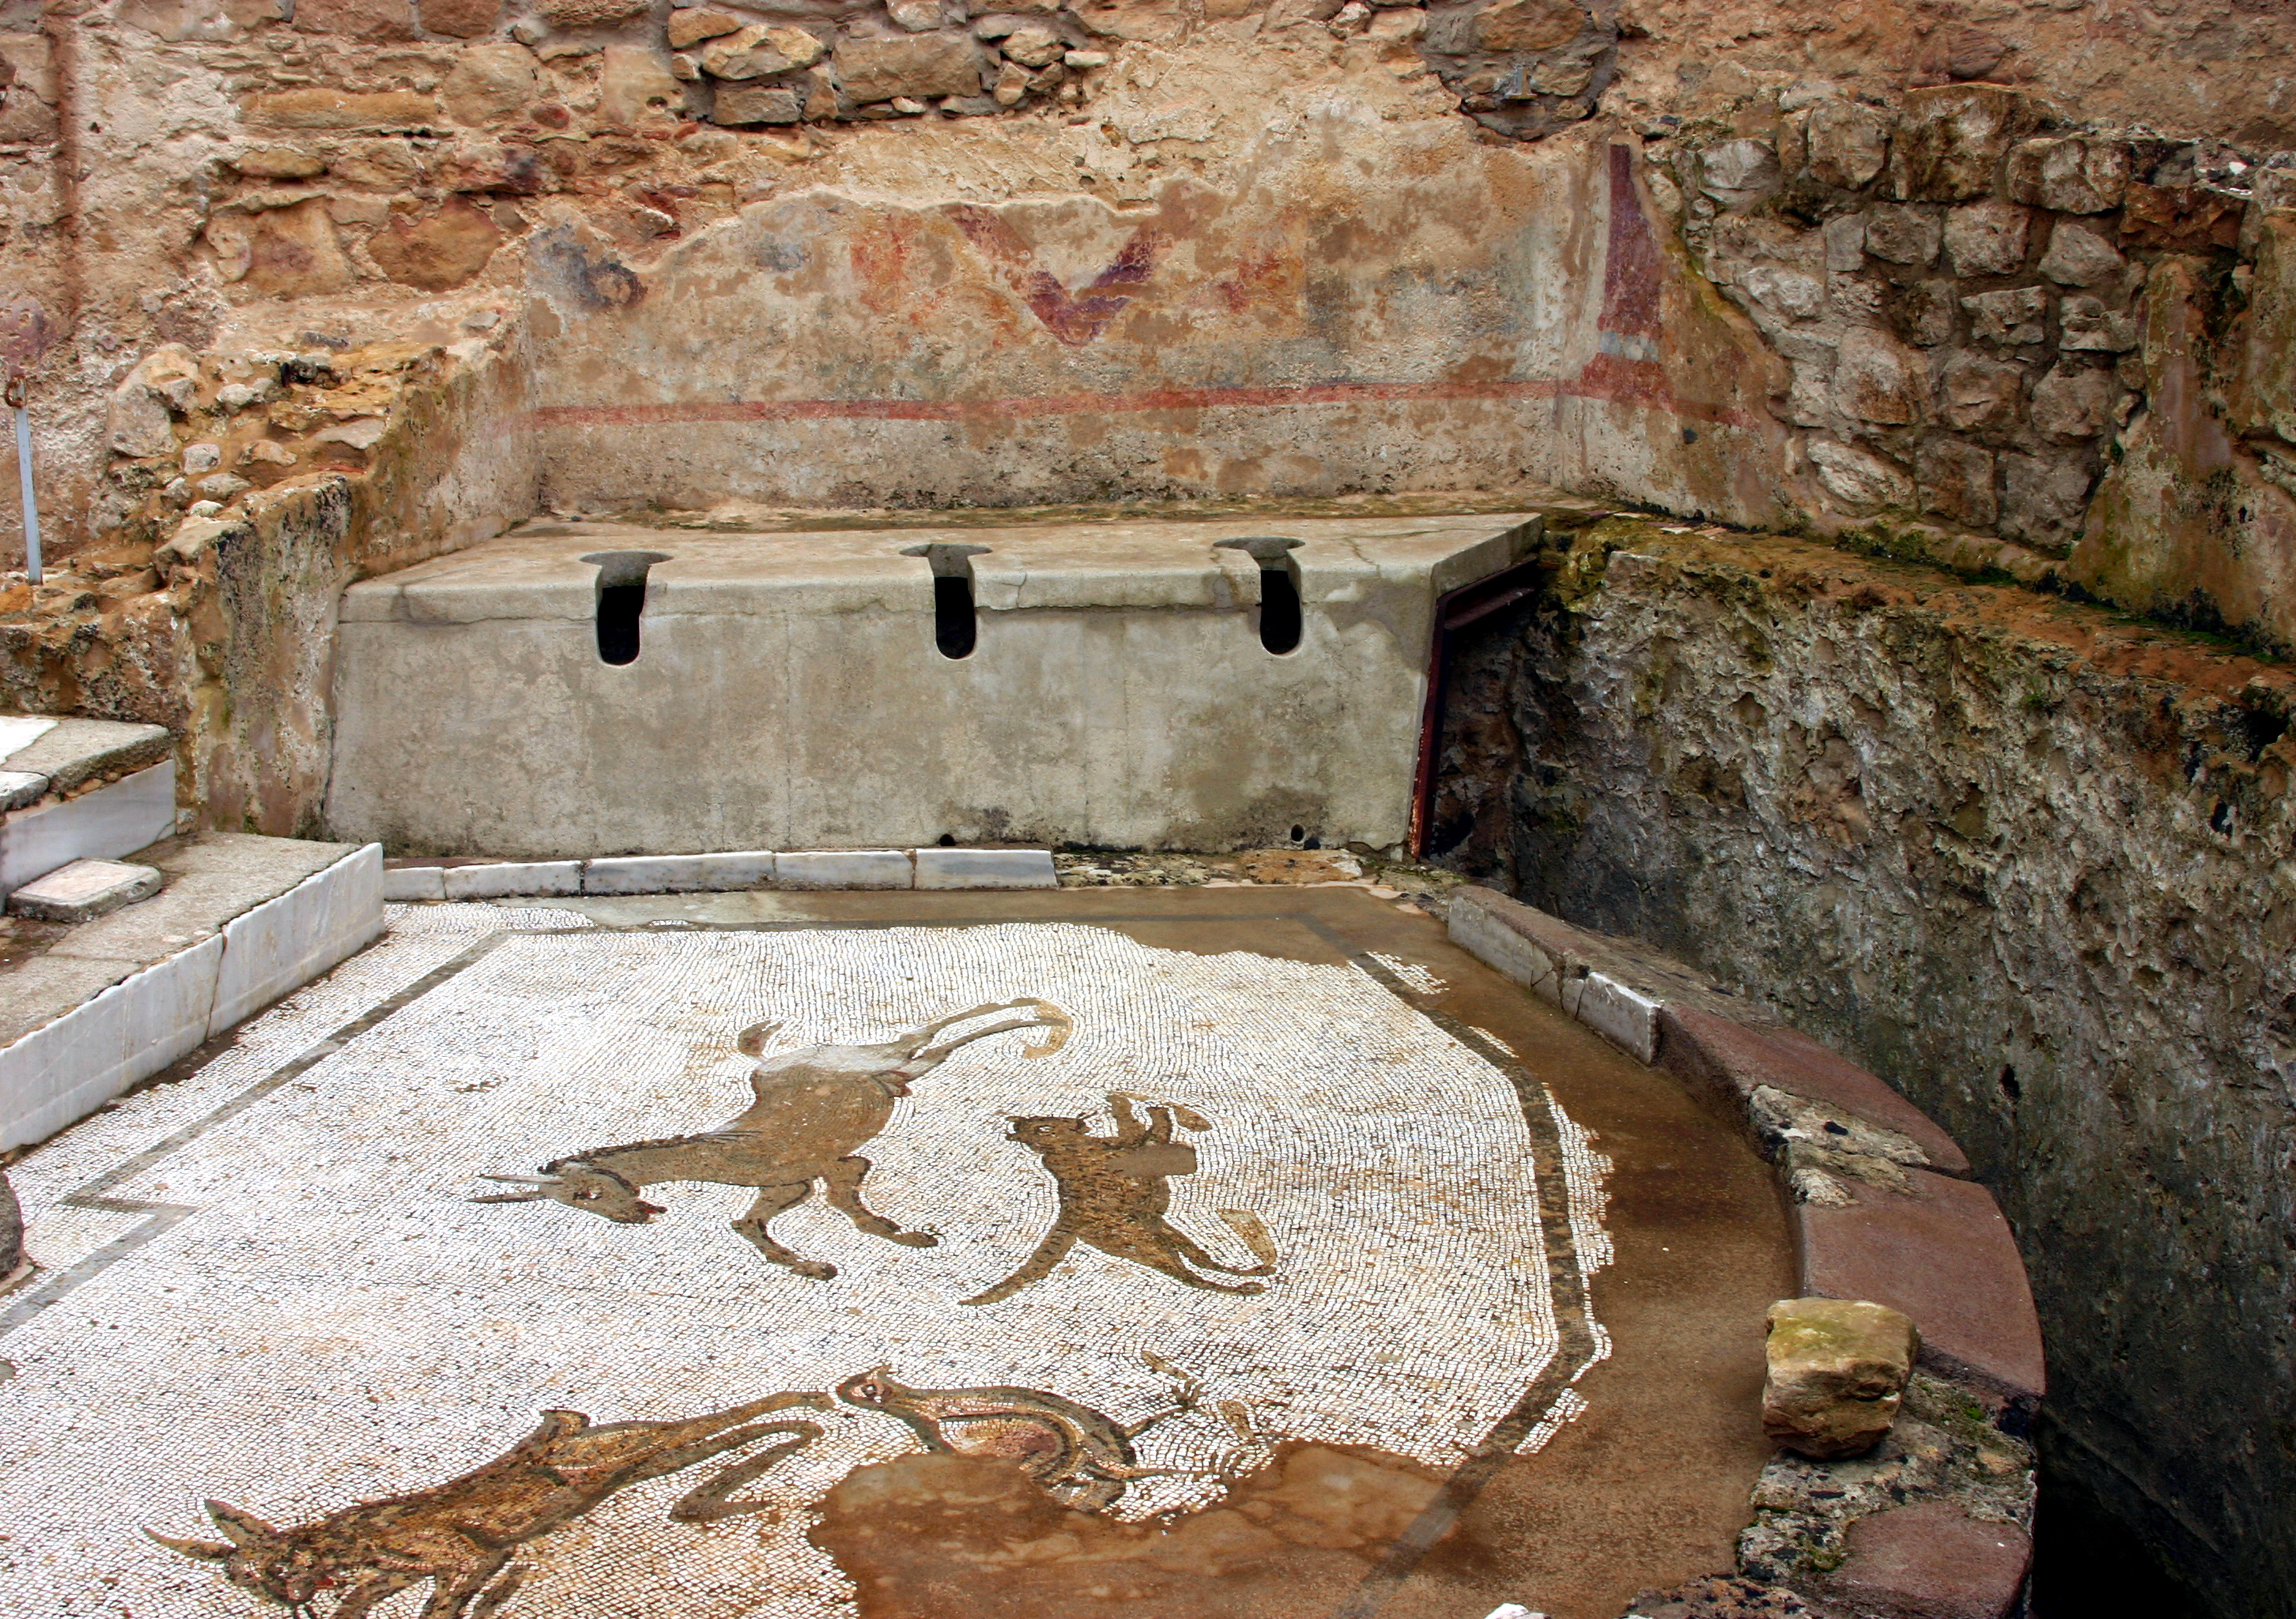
(2030, 862)
(2003, 323)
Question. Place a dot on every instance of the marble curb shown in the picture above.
(64, 1070)
(111, 821)
(1879, 1205)
(408, 881)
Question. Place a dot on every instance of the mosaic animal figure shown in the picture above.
(1113, 1198)
(816, 1107)
(1082, 1458)
(462, 1536)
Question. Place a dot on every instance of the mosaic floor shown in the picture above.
(534, 1266)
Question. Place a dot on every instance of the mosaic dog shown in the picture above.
(814, 1108)
(1082, 1458)
(460, 1535)
(1113, 1198)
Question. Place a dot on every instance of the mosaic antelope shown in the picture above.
(816, 1107)
(462, 1536)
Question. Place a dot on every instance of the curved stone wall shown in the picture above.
(2026, 860)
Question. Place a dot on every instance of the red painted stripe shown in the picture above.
(1023, 406)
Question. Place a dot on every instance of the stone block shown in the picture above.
(2044, 497)
(1926, 311)
(1789, 294)
(679, 873)
(84, 890)
(286, 942)
(1932, 1560)
(1858, 480)
(753, 103)
(2181, 218)
(460, 19)
(2079, 256)
(1614, 986)
(1740, 172)
(1951, 140)
(588, 14)
(404, 884)
(2071, 176)
(372, 19)
(1878, 379)
(489, 82)
(1729, 1060)
(633, 79)
(19, 788)
(103, 824)
(1976, 394)
(1956, 480)
(1987, 238)
(497, 879)
(845, 869)
(1034, 45)
(2010, 316)
(1848, 143)
(986, 868)
(2085, 325)
(1836, 1371)
(694, 24)
(923, 66)
(1904, 236)
(382, 110)
(442, 249)
(758, 52)
(1943, 1254)
(1528, 25)
(2074, 403)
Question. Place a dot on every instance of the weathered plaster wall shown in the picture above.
(1361, 295)
(2030, 862)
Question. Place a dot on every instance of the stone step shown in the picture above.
(89, 1011)
(79, 790)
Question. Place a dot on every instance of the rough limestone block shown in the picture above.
(1932, 1560)
(286, 942)
(111, 821)
(1837, 1371)
(986, 868)
(84, 890)
(500, 877)
(844, 868)
(1943, 1254)
(923, 66)
(403, 884)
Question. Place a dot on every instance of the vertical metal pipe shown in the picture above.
(24, 481)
